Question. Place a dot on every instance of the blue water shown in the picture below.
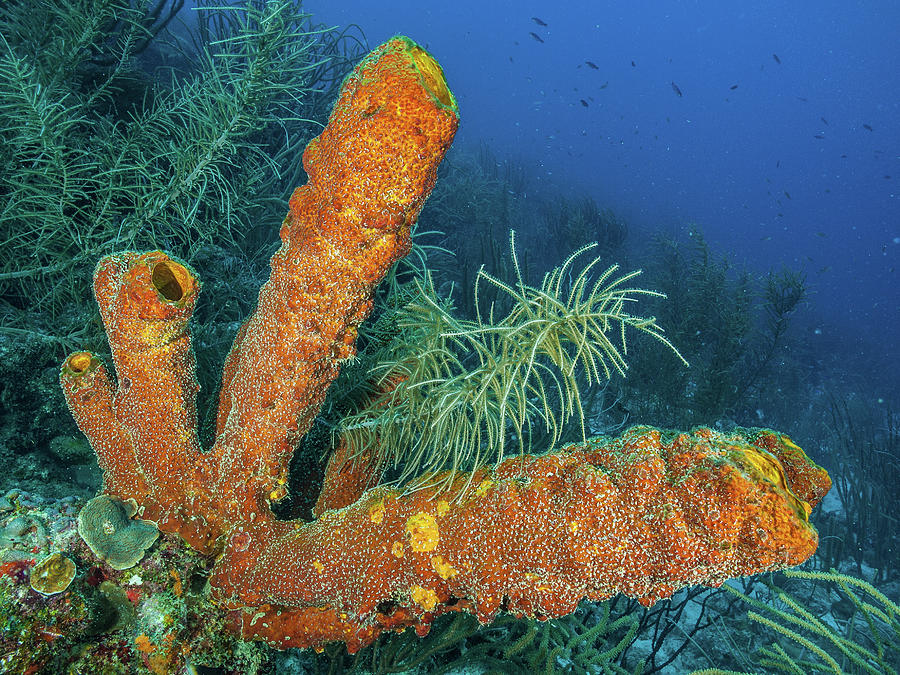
(780, 170)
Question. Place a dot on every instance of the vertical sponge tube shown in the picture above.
(89, 393)
(145, 426)
(370, 172)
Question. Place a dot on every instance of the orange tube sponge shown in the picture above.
(89, 393)
(370, 172)
(644, 515)
(369, 175)
(347, 477)
(145, 431)
(350, 472)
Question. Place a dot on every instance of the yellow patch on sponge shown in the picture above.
(422, 530)
(444, 569)
(376, 513)
(770, 468)
(426, 598)
(789, 443)
(484, 486)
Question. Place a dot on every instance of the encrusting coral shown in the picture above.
(643, 515)
(107, 526)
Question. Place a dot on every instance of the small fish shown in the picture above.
(801, 98)
(593, 65)
(824, 121)
(536, 37)
(676, 89)
(583, 102)
(778, 164)
(769, 238)
(787, 194)
(538, 21)
(604, 85)
(777, 60)
(866, 126)
(821, 234)
(819, 136)
(633, 64)
(733, 87)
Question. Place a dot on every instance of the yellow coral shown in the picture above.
(422, 530)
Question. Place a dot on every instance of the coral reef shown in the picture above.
(644, 514)
(105, 620)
